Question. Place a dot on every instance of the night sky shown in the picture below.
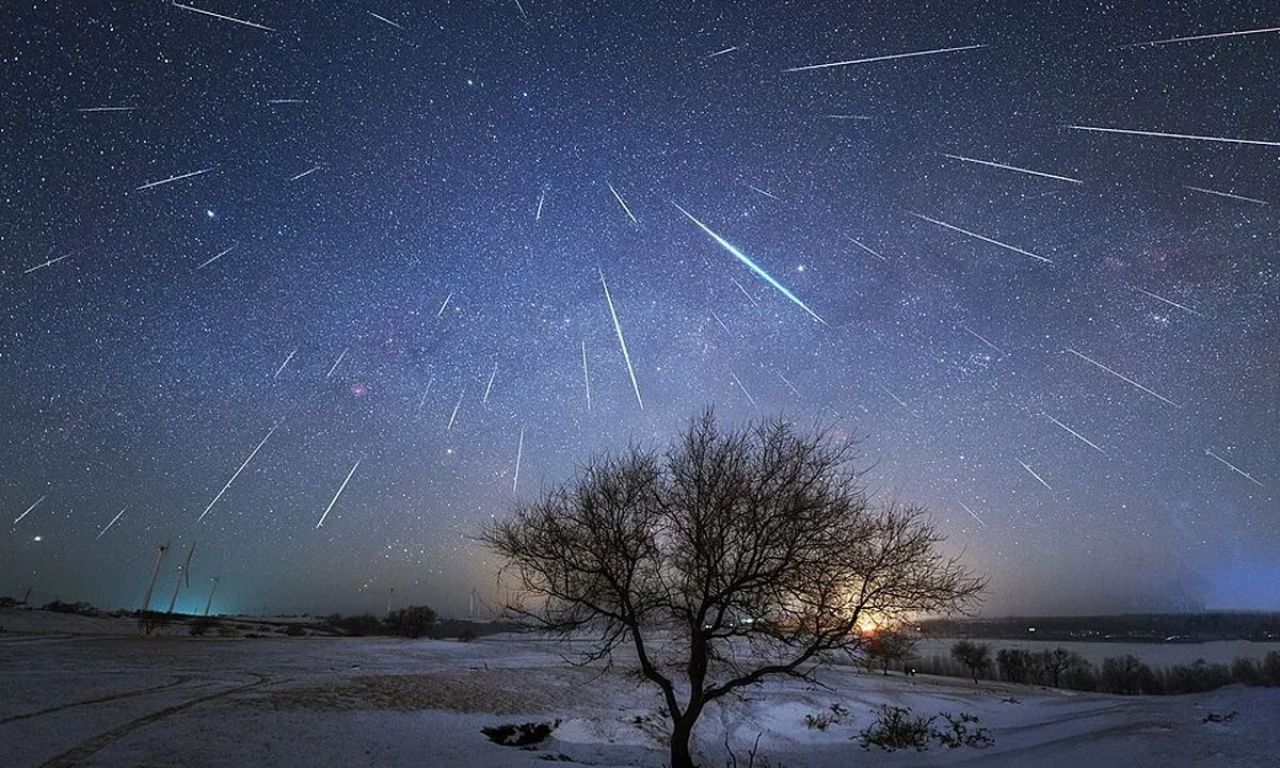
(381, 229)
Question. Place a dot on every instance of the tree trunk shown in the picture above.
(680, 736)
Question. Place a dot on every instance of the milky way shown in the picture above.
(1042, 244)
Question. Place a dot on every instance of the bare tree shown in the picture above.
(974, 656)
(887, 646)
(734, 556)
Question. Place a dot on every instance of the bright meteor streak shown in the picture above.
(623, 203)
(237, 474)
(759, 270)
(622, 342)
(1033, 474)
(18, 519)
(171, 179)
(224, 18)
(1124, 378)
(965, 507)
(977, 236)
(1213, 36)
(1227, 195)
(341, 488)
(1014, 168)
(1234, 468)
(113, 522)
(1187, 136)
(890, 57)
(1074, 433)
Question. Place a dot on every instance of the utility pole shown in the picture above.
(155, 572)
(390, 596)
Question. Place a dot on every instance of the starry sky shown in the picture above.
(341, 236)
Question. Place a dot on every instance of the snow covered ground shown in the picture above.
(74, 697)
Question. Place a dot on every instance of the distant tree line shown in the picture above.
(1062, 668)
(410, 621)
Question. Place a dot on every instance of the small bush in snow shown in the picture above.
(822, 720)
(201, 626)
(897, 728)
(519, 735)
(963, 730)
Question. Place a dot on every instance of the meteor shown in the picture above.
(845, 117)
(981, 338)
(737, 381)
(224, 18)
(229, 249)
(865, 248)
(622, 202)
(341, 488)
(975, 235)
(742, 257)
(489, 386)
(537, 215)
(1124, 378)
(971, 512)
(1033, 474)
(1167, 301)
(336, 363)
(1014, 168)
(282, 365)
(445, 304)
(384, 19)
(237, 473)
(1213, 36)
(790, 386)
(18, 519)
(586, 374)
(113, 522)
(721, 322)
(722, 51)
(425, 392)
(454, 416)
(1074, 433)
(179, 177)
(899, 401)
(1186, 136)
(1253, 200)
(48, 263)
(106, 109)
(750, 298)
(622, 342)
(288, 101)
(515, 481)
(1233, 467)
(307, 172)
(889, 57)
(761, 191)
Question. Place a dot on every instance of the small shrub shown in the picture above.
(295, 630)
(963, 731)
(358, 626)
(519, 735)
(822, 720)
(201, 626)
(1271, 668)
(79, 609)
(1247, 671)
(150, 621)
(896, 728)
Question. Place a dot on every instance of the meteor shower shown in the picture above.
(497, 383)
